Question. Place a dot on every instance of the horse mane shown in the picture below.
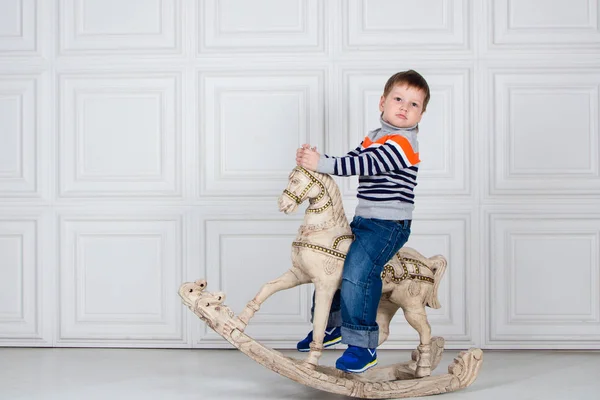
(336, 197)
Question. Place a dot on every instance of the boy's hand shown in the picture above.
(308, 157)
(300, 150)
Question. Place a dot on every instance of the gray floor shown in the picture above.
(227, 375)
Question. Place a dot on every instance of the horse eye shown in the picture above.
(191, 290)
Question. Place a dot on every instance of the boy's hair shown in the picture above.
(411, 79)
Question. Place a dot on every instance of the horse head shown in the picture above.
(302, 185)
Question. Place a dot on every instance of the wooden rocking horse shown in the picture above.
(410, 282)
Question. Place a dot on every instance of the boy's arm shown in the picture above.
(395, 154)
(327, 163)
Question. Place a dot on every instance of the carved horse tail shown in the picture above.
(439, 268)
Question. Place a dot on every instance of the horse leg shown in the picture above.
(323, 297)
(291, 278)
(386, 311)
(417, 318)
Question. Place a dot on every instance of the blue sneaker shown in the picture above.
(332, 337)
(357, 359)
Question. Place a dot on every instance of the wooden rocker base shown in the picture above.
(380, 382)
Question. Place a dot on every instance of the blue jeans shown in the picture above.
(375, 243)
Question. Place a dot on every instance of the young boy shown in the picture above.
(387, 162)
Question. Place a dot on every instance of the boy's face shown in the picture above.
(403, 106)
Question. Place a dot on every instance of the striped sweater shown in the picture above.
(387, 164)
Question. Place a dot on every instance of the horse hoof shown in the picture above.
(422, 372)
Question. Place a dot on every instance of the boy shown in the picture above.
(387, 163)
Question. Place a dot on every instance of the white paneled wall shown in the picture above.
(143, 143)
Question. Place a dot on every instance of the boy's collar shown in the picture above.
(391, 128)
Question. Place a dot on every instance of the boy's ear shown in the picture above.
(381, 101)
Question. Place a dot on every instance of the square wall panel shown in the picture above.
(239, 26)
(545, 25)
(18, 27)
(544, 132)
(241, 256)
(391, 25)
(19, 125)
(544, 280)
(115, 26)
(251, 125)
(447, 236)
(21, 284)
(444, 138)
(119, 277)
(120, 135)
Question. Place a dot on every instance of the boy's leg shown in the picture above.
(375, 243)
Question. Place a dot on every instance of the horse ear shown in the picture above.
(201, 282)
